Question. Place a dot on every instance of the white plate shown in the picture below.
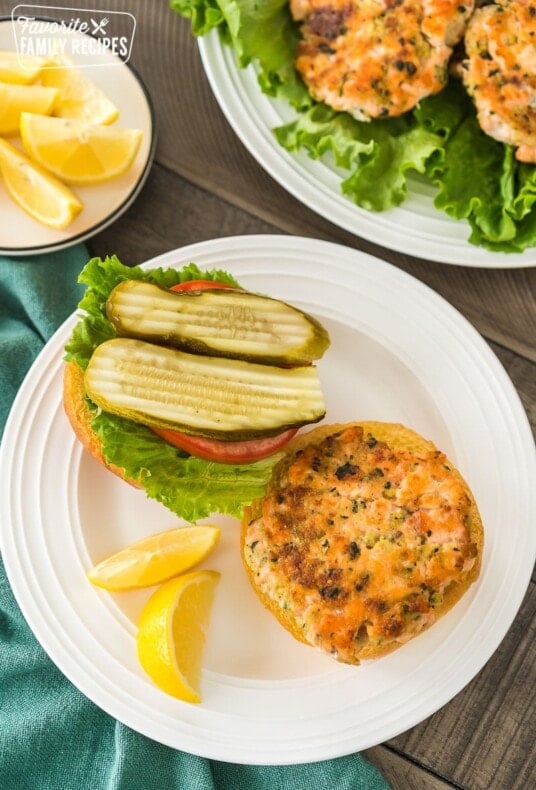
(399, 352)
(103, 203)
(415, 228)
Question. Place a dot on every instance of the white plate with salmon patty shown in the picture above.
(398, 352)
(415, 227)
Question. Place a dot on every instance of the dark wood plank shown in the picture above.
(403, 774)
(168, 214)
(485, 737)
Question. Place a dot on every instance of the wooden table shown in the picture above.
(203, 185)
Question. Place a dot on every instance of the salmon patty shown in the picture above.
(377, 58)
(499, 72)
(366, 536)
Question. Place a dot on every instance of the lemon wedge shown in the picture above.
(15, 99)
(156, 558)
(78, 152)
(172, 633)
(79, 97)
(38, 193)
(19, 69)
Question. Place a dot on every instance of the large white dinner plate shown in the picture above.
(399, 352)
(415, 228)
(103, 203)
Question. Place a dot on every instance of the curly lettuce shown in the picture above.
(477, 179)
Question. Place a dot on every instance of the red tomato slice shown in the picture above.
(201, 285)
(226, 452)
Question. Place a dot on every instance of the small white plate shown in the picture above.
(103, 203)
(399, 353)
(415, 228)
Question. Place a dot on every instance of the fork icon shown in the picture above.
(98, 27)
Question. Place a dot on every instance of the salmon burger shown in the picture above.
(366, 536)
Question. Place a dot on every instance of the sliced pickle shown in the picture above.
(215, 397)
(225, 322)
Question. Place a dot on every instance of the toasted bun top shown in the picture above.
(367, 535)
(79, 415)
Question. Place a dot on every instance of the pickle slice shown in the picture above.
(215, 397)
(227, 323)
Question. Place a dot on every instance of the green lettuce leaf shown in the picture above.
(477, 179)
(482, 191)
(380, 180)
(379, 154)
(320, 130)
(260, 32)
(190, 487)
(443, 113)
(204, 15)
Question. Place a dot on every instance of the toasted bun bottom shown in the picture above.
(79, 415)
(399, 437)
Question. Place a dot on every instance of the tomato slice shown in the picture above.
(201, 285)
(227, 452)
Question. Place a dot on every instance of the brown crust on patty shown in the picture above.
(79, 415)
(376, 58)
(398, 437)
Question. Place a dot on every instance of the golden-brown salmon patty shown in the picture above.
(500, 72)
(377, 58)
(365, 537)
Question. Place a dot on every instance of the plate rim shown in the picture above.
(105, 222)
(221, 748)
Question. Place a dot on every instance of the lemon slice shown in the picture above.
(19, 69)
(77, 152)
(15, 99)
(155, 559)
(78, 97)
(38, 193)
(172, 632)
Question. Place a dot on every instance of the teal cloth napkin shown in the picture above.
(51, 736)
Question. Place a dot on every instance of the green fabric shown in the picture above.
(51, 736)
